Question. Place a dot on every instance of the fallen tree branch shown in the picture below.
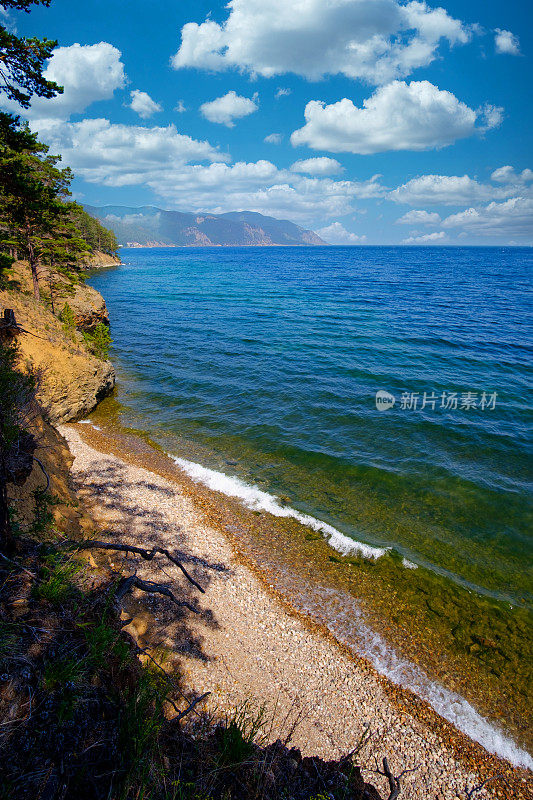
(173, 704)
(46, 475)
(126, 584)
(144, 652)
(140, 651)
(394, 782)
(147, 555)
(16, 564)
(191, 706)
(471, 792)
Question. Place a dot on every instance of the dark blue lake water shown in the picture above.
(269, 361)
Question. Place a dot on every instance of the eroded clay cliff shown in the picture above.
(71, 381)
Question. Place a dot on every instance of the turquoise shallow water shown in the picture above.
(265, 364)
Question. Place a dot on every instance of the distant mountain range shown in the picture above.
(153, 227)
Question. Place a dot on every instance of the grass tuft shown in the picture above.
(56, 585)
(243, 729)
(103, 641)
(63, 673)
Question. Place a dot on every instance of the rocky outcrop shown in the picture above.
(70, 381)
(51, 450)
(99, 259)
(88, 307)
(68, 397)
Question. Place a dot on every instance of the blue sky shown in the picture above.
(385, 121)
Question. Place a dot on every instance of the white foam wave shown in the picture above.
(89, 422)
(258, 500)
(449, 705)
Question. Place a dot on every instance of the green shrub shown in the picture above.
(16, 392)
(16, 396)
(6, 262)
(9, 642)
(98, 341)
(42, 515)
(66, 316)
(140, 724)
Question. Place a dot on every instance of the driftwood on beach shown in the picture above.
(147, 555)
(133, 581)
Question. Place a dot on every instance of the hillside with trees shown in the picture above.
(37, 221)
(149, 226)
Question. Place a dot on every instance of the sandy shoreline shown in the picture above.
(248, 646)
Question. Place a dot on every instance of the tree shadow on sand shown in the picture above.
(157, 622)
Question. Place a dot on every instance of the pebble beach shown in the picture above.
(249, 647)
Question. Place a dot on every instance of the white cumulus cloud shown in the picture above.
(228, 108)
(373, 40)
(88, 73)
(336, 233)
(503, 208)
(506, 42)
(419, 218)
(261, 186)
(513, 218)
(508, 175)
(317, 166)
(143, 105)
(273, 138)
(123, 155)
(399, 116)
(169, 163)
(449, 190)
(426, 238)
